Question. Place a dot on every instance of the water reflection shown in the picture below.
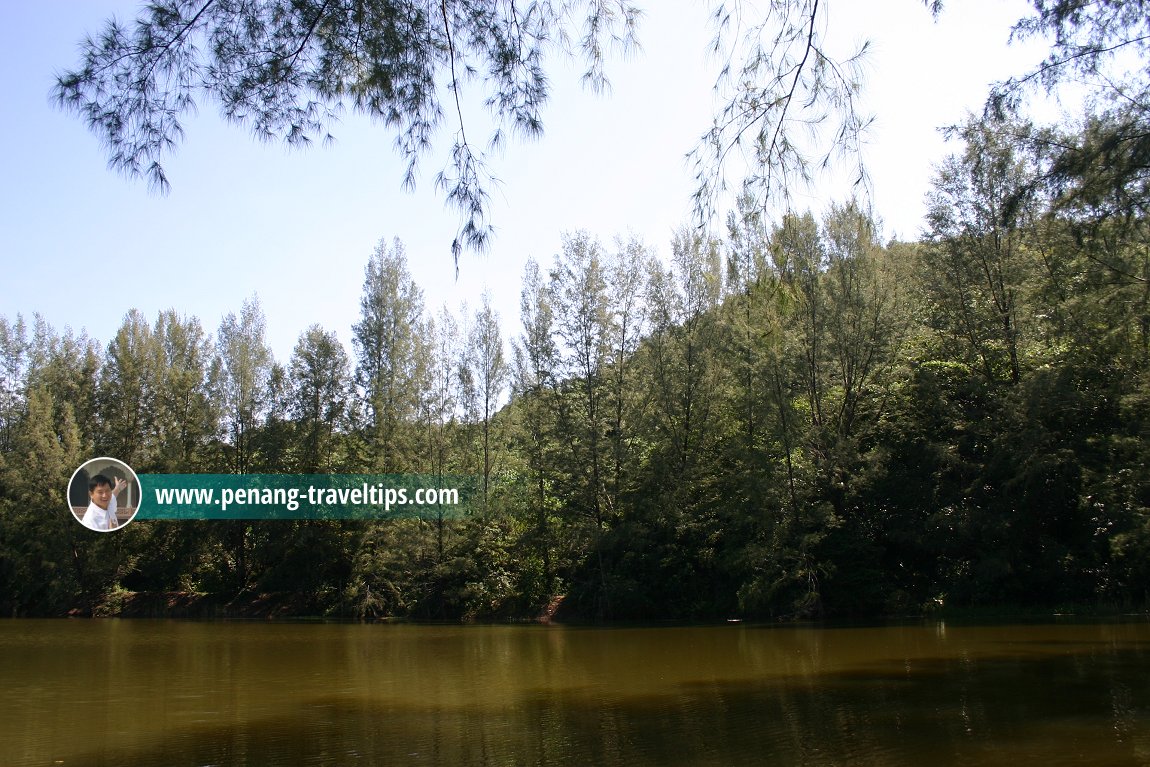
(162, 693)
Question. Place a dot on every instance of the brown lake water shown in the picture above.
(120, 692)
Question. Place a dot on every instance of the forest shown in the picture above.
(789, 419)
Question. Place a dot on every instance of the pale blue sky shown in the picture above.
(82, 245)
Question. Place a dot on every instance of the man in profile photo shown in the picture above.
(101, 513)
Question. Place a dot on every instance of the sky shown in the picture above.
(81, 245)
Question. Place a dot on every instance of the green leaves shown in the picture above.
(286, 69)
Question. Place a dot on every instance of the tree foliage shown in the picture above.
(286, 69)
(320, 398)
(794, 420)
(392, 356)
(790, 105)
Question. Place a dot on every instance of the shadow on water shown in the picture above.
(1090, 706)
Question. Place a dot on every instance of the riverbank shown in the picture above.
(189, 605)
(203, 606)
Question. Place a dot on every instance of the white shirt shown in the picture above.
(101, 519)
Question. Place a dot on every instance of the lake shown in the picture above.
(138, 692)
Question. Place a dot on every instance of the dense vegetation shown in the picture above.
(793, 419)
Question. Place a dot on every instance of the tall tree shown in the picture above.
(842, 307)
(442, 408)
(240, 376)
(275, 441)
(749, 289)
(320, 377)
(44, 565)
(627, 269)
(682, 302)
(533, 384)
(756, 350)
(582, 325)
(866, 320)
(392, 358)
(245, 362)
(800, 259)
(445, 393)
(582, 316)
(487, 373)
(67, 365)
(976, 218)
(13, 376)
(127, 394)
(185, 416)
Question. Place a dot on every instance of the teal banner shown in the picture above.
(305, 496)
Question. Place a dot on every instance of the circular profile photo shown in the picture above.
(104, 494)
